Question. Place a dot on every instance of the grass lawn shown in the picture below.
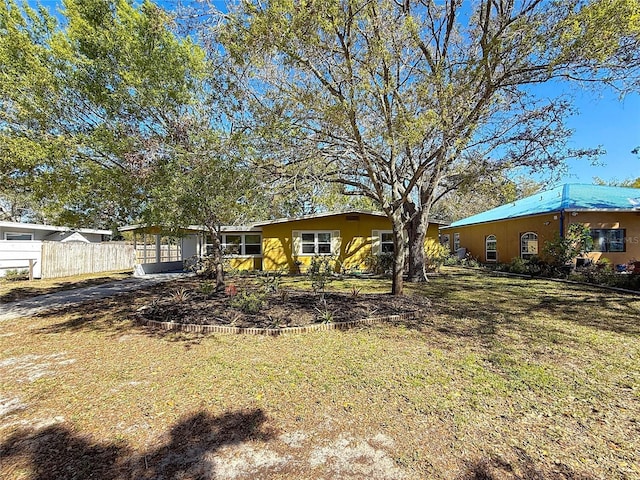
(505, 378)
(13, 290)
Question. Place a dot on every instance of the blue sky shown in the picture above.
(602, 120)
(613, 123)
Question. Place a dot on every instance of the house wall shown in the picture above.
(52, 235)
(354, 245)
(630, 221)
(508, 233)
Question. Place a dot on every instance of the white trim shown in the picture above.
(316, 243)
(18, 233)
(529, 254)
(243, 245)
(456, 241)
(52, 228)
(381, 233)
(486, 250)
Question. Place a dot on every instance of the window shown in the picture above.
(237, 244)
(386, 242)
(316, 243)
(252, 245)
(491, 248)
(528, 245)
(232, 244)
(13, 236)
(456, 242)
(608, 240)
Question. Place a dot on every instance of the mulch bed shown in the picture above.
(289, 308)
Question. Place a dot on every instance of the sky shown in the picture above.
(602, 120)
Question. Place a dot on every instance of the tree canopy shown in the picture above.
(403, 100)
(91, 106)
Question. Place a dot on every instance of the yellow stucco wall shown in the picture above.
(508, 233)
(630, 221)
(354, 246)
(245, 262)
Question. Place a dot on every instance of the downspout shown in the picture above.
(561, 223)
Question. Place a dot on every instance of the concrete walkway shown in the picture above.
(41, 303)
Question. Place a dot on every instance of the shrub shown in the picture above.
(15, 275)
(202, 266)
(518, 265)
(207, 288)
(248, 302)
(562, 250)
(324, 314)
(269, 281)
(181, 295)
(320, 272)
(379, 264)
(435, 255)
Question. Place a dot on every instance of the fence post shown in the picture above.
(30, 269)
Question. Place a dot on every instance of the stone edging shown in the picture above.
(195, 328)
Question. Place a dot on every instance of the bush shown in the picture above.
(204, 267)
(15, 275)
(563, 250)
(379, 264)
(269, 281)
(320, 272)
(248, 302)
(518, 265)
(435, 255)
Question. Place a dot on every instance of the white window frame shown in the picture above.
(316, 243)
(528, 253)
(456, 242)
(491, 238)
(382, 243)
(6, 235)
(242, 246)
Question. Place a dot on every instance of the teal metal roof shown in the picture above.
(571, 196)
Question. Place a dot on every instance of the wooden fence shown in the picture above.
(62, 259)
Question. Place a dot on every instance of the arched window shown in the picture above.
(491, 248)
(528, 245)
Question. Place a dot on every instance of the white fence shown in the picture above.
(62, 259)
(16, 256)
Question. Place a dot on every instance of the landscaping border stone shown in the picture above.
(225, 329)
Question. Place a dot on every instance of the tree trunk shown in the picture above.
(216, 257)
(399, 244)
(416, 232)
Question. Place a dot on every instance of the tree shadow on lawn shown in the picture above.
(512, 303)
(495, 468)
(33, 290)
(58, 453)
(469, 308)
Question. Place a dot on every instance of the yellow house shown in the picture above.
(286, 244)
(290, 244)
(520, 229)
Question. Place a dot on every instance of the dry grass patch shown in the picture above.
(504, 378)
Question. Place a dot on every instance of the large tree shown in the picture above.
(406, 99)
(92, 105)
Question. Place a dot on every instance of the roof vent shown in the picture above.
(353, 218)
